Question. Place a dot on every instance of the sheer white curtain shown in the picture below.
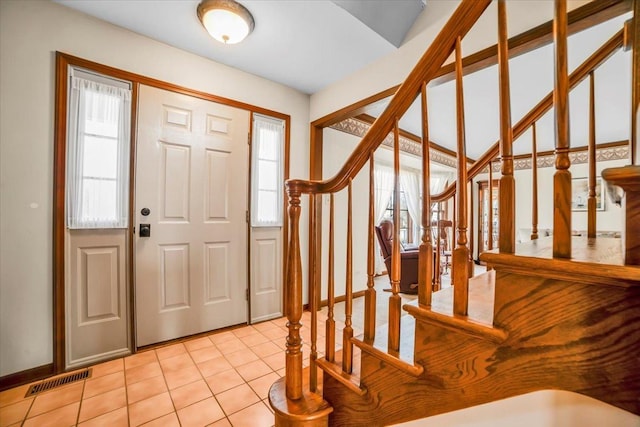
(267, 171)
(98, 154)
(410, 183)
(438, 181)
(383, 184)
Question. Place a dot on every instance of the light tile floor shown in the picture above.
(220, 379)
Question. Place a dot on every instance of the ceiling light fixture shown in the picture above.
(227, 21)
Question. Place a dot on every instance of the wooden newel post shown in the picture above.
(293, 282)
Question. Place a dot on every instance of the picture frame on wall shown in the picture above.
(580, 194)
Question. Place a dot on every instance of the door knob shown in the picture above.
(145, 230)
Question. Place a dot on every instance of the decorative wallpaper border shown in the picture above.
(359, 128)
(618, 152)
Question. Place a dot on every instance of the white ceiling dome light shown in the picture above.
(227, 21)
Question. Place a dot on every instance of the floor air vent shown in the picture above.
(58, 382)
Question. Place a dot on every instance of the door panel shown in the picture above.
(266, 273)
(191, 172)
(97, 296)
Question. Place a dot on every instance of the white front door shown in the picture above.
(191, 176)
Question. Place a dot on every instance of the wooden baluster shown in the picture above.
(370, 293)
(347, 332)
(472, 265)
(293, 355)
(635, 86)
(562, 177)
(534, 190)
(490, 213)
(314, 302)
(461, 252)
(437, 273)
(591, 201)
(425, 264)
(507, 189)
(394, 299)
(330, 333)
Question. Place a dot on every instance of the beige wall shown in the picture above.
(30, 33)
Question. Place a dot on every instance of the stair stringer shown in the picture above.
(573, 335)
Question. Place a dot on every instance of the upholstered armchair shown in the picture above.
(408, 258)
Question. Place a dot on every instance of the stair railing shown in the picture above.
(447, 42)
(458, 25)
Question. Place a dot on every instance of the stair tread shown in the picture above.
(600, 258)
(481, 299)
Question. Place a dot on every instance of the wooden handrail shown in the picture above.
(459, 24)
(579, 74)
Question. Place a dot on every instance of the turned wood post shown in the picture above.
(293, 282)
(425, 260)
(347, 332)
(490, 213)
(562, 177)
(460, 256)
(330, 335)
(395, 300)
(507, 200)
(635, 83)
(591, 201)
(534, 190)
(370, 293)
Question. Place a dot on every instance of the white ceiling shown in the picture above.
(309, 44)
(304, 44)
(531, 78)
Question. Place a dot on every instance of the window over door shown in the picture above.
(267, 171)
(98, 151)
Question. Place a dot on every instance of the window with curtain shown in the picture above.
(98, 139)
(267, 171)
(406, 223)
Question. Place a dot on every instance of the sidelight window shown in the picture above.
(99, 129)
(267, 171)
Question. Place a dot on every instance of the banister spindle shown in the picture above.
(507, 199)
(330, 335)
(293, 357)
(394, 299)
(562, 177)
(425, 261)
(490, 214)
(460, 254)
(347, 332)
(370, 293)
(591, 201)
(534, 190)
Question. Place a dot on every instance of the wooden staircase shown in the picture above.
(557, 313)
(534, 323)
